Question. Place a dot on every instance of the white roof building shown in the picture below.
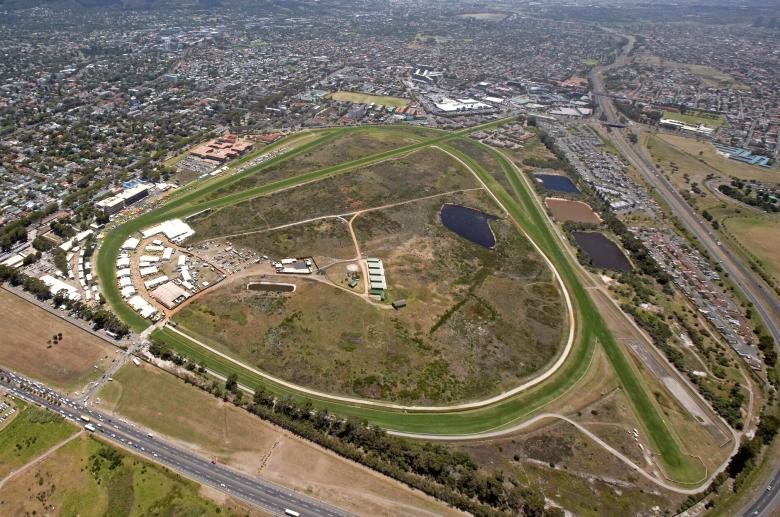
(56, 286)
(131, 243)
(175, 229)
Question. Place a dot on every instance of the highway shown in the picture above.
(764, 302)
(127, 435)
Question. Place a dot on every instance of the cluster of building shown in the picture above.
(142, 271)
(725, 73)
(605, 172)
(377, 283)
(223, 148)
(693, 275)
(511, 136)
(701, 130)
(741, 155)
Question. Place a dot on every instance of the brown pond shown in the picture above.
(565, 210)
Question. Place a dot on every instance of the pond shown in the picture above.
(557, 182)
(271, 286)
(602, 252)
(568, 210)
(469, 223)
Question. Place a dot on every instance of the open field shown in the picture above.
(482, 310)
(71, 363)
(702, 150)
(256, 447)
(696, 118)
(759, 235)
(527, 214)
(333, 149)
(191, 201)
(364, 98)
(421, 173)
(32, 432)
(324, 238)
(88, 478)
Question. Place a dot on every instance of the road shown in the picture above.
(764, 303)
(127, 435)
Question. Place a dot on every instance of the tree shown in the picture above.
(231, 384)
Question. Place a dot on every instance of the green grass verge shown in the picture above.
(32, 432)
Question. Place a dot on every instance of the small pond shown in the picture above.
(557, 182)
(602, 252)
(469, 223)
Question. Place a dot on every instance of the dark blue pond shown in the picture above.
(557, 183)
(602, 252)
(469, 223)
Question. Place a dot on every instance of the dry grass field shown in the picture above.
(325, 238)
(75, 360)
(703, 151)
(422, 173)
(760, 235)
(470, 310)
(348, 146)
(364, 98)
(257, 447)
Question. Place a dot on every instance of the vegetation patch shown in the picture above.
(32, 432)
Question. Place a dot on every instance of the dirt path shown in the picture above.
(343, 216)
(543, 416)
(39, 459)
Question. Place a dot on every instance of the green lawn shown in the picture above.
(32, 432)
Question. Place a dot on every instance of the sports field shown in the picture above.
(526, 213)
(364, 98)
(696, 118)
